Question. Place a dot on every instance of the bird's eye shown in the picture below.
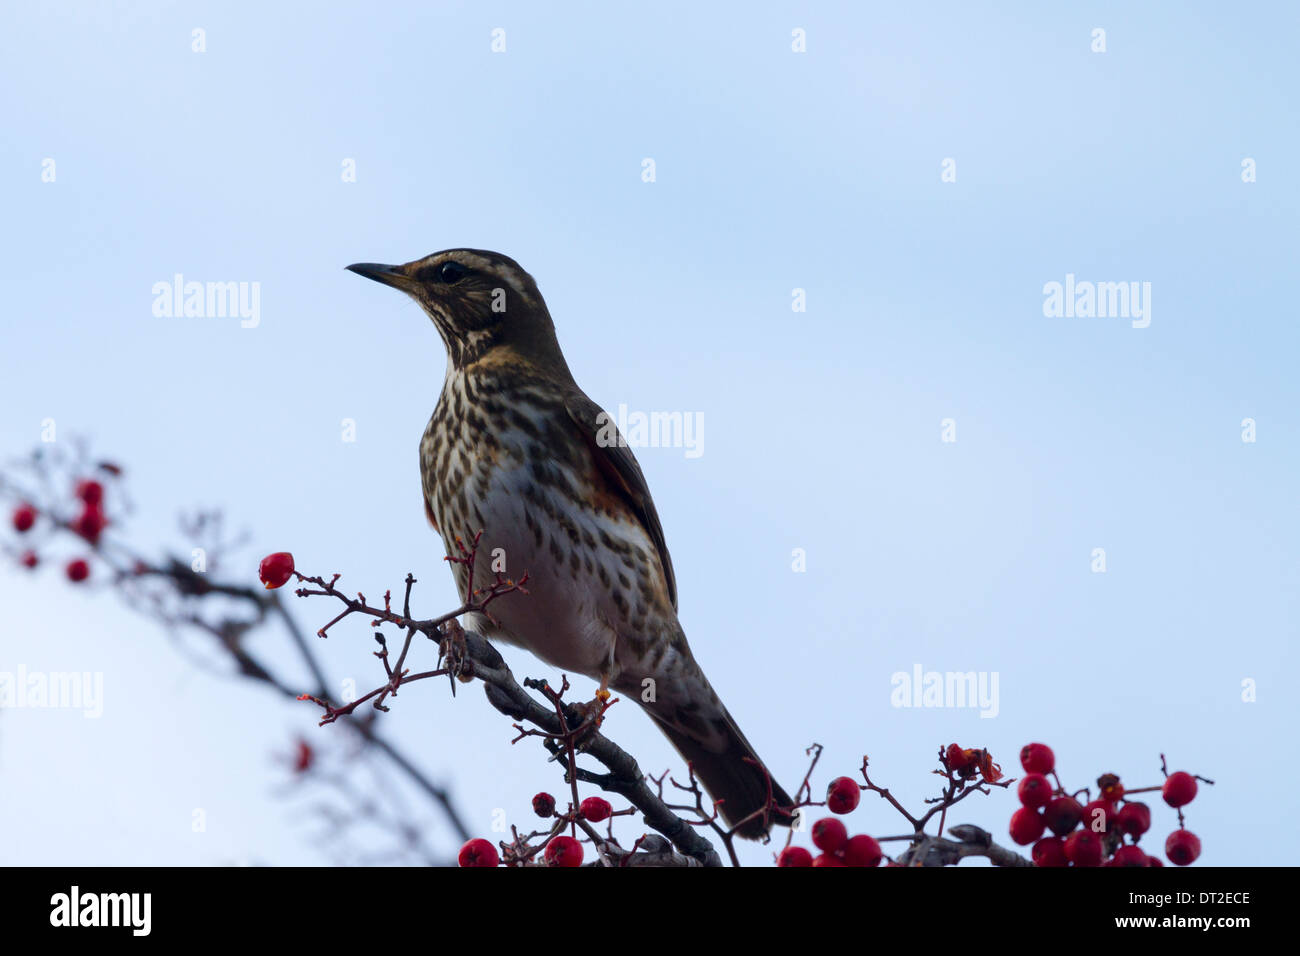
(452, 272)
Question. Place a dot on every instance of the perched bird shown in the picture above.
(517, 450)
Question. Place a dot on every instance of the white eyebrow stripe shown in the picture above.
(513, 277)
(519, 281)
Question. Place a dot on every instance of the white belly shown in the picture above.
(569, 617)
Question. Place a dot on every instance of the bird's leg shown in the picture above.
(454, 651)
(593, 712)
(607, 673)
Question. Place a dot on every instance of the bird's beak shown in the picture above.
(389, 275)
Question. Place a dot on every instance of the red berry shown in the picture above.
(1083, 848)
(1129, 856)
(1050, 851)
(1037, 758)
(304, 758)
(862, 850)
(563, 851)
(276, 569)
(77, 570)
(1034, 791)
(828, 859)
(595, 809)
(1134, 819)
(90, 491)
(29, 559)
(24, 518)
(842, 795)
(1182, 847)
(544, 805)
(1154, 861)
(1099, 816)
(957, 758)
(794, 856)
(478, 852)
(1026, 825)
(90, 523)
(1062, 815)
(829, 834)
(1179, 789)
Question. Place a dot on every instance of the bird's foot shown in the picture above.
(590, 715)
(453, 653)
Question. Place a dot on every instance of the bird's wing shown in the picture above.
(617, 465)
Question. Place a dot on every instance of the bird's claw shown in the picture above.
(453, 650)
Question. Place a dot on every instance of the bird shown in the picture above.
(516, 450)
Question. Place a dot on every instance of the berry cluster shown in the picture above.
(88, 524)
(1094, 833)
(558, 849)
(831, 836)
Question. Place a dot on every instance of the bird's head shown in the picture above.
(481, 303)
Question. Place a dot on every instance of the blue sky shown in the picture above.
(775, 170)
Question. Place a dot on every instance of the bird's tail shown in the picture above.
(735, 777)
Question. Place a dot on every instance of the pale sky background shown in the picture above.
(775, 171)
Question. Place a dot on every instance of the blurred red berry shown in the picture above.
(90, 491)
(563, 851)
(1037, 758)
(595, 809)
(1026, 825)
(24, 518)
(29, 559)
(1134, 819)
(276, 569)
(1083, 848)
(862, 850)
(90, 523)
(1129, 856)
(957, 758)
(842, 795)
(1154, 861)
(1035, 790)
(1179, 789)
(794, 856)
(478, 852)
(544, 805)
(1182, 847)
(829, 834)
(1099, 816)
(304, 758)
(828, 859)
(1062, 815)
(77, 570)
(1050, 851)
